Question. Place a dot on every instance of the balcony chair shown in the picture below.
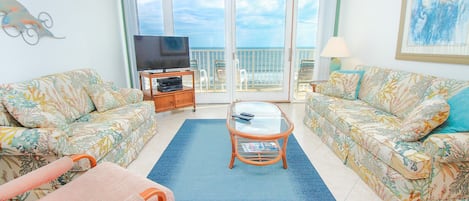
(220, 73)
(200, 75)
(305, 74)
(106, 181)
(241, 75)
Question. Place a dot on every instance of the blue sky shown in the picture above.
(259, 23)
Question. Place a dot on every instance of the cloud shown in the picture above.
(220, 4)
(260, 7)
(259, 23)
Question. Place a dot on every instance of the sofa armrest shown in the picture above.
(38, 141)
(448, 148)
(131, 95)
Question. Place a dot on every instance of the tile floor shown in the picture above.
(344, 184)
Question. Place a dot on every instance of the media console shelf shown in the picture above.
(165, 101)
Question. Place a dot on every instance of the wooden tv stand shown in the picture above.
(165, 101)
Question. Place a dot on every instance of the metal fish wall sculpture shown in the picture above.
(17, 21)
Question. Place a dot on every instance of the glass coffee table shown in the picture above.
(261, 140)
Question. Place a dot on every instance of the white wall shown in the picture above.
(370, 28)
(93, 39)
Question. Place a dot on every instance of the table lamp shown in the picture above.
(335, 49)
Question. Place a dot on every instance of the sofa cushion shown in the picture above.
(133, 114)
(401, 92)
(96, 138)
(131, 95)
(344, 114)
(371, 82)
(424, 118)
(5, 117)
(99, 132)
(37, 104)
(104, 97)
(342, 84)
(445, 87)
(374, 130)
(458, 114)
(70, 85)
(407, 158)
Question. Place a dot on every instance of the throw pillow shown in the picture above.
(104, 97)
(343, 84)
(459, 114)
(424, 118)
(131, 95)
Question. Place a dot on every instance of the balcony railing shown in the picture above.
(263, 66)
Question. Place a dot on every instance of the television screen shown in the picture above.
(161, 52)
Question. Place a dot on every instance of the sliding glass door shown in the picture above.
(261, 61)
(304, 64)
(204, 23)
(240, 49)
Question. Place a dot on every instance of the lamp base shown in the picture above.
(334, 65)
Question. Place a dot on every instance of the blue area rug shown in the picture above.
(195, 167)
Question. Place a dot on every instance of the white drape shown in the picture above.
(327, 9)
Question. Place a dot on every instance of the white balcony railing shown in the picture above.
(263, 66)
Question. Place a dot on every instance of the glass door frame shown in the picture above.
(230, 52)
(231, 49)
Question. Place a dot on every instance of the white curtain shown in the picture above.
(327, 9)
(131, 26)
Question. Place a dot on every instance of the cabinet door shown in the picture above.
(185, 99)
(164, 102)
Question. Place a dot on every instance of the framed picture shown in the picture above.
(434, 31)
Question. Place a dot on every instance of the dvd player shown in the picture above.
(170, 81)
(169, 88)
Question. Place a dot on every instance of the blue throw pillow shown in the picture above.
(359, 72)
(458, 114)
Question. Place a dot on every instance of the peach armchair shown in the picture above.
(106, 181)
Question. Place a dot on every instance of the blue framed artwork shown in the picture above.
(434, 31)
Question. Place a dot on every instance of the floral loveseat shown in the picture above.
(382, 122)
(69, 113)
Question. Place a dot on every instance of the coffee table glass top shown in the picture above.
(268, 119)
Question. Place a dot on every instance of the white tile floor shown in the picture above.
(341, 180)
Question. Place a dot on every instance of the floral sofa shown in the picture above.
(69, 113)
(385, 125)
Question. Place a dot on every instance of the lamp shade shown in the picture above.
(335, 47)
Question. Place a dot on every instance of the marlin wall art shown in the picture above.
(18, 21)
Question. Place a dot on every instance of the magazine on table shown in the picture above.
(259, 146)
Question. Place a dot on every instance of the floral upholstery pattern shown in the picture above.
(116, 135)
(401, 92)
(131, 95)
(371, 82)
(445, 87)
(366, 134)
(104, 97)
(424, 118)
(37, 104)
(5, 118)
(342, 85)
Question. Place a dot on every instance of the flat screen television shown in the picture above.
(161, 52)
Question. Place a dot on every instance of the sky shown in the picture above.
(259, 23)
